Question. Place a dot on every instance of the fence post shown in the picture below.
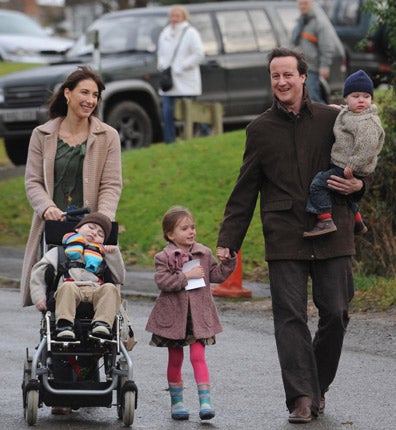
(188, 118)
(190, 111)
(217, 117)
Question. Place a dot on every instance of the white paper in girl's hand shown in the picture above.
(196, 282)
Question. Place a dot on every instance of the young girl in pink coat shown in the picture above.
(185, 312)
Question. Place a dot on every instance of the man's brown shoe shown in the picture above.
(323, 226)
(302, 412)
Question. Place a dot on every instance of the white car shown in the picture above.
(23, 40)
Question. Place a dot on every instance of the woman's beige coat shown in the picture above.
(102, 181)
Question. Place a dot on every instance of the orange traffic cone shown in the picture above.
(232, 286)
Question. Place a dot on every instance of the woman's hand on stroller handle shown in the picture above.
(53, 213)
(41, 305)
(76, 212)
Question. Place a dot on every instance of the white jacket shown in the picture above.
(185, 66)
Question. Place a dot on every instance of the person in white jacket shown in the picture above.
(181, 35)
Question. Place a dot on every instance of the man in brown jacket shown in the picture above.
(285, 147)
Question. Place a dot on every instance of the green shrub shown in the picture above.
(376, 251)
(373, 294)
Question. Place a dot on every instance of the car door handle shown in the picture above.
(212, 63)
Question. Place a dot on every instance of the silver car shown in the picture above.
(23, 40)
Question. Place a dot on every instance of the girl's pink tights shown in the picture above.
(198, 361)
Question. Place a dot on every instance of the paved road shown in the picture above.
(247, 390)
(245, 372)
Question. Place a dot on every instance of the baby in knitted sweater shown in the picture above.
(359, 138)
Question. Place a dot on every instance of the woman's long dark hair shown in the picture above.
(57, 105)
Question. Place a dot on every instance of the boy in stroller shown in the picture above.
(82, 357)
(89, 275)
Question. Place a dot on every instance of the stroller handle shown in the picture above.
(76, 212)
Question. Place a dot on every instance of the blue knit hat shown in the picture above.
(358, 82)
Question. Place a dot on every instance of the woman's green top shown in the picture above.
(68, 185)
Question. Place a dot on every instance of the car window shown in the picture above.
(342, 12)
(203, 23)
(329, 6)
(263, 30)
(237, 31)
(288, 16)
(148, 32)
(20, 24)
(122, 34)
(348, 13)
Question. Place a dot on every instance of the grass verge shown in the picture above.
(198, 174)
(4, 160)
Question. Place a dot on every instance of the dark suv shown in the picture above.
(352, 25)
(237, 37)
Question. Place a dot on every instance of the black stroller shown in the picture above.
(86, 372)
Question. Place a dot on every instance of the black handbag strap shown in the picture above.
(178, 44)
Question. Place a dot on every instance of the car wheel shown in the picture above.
(17, 149)
(132, 123)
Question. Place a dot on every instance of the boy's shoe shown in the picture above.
(323, 226)
(101, 329)
(64, 332)
(360, 228)
(66, 335)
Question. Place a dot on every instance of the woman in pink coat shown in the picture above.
(185, 312)
(74, 160)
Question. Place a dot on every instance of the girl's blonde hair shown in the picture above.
(172, 217)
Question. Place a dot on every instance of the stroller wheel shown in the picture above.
(32, 399)
(128, 408)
